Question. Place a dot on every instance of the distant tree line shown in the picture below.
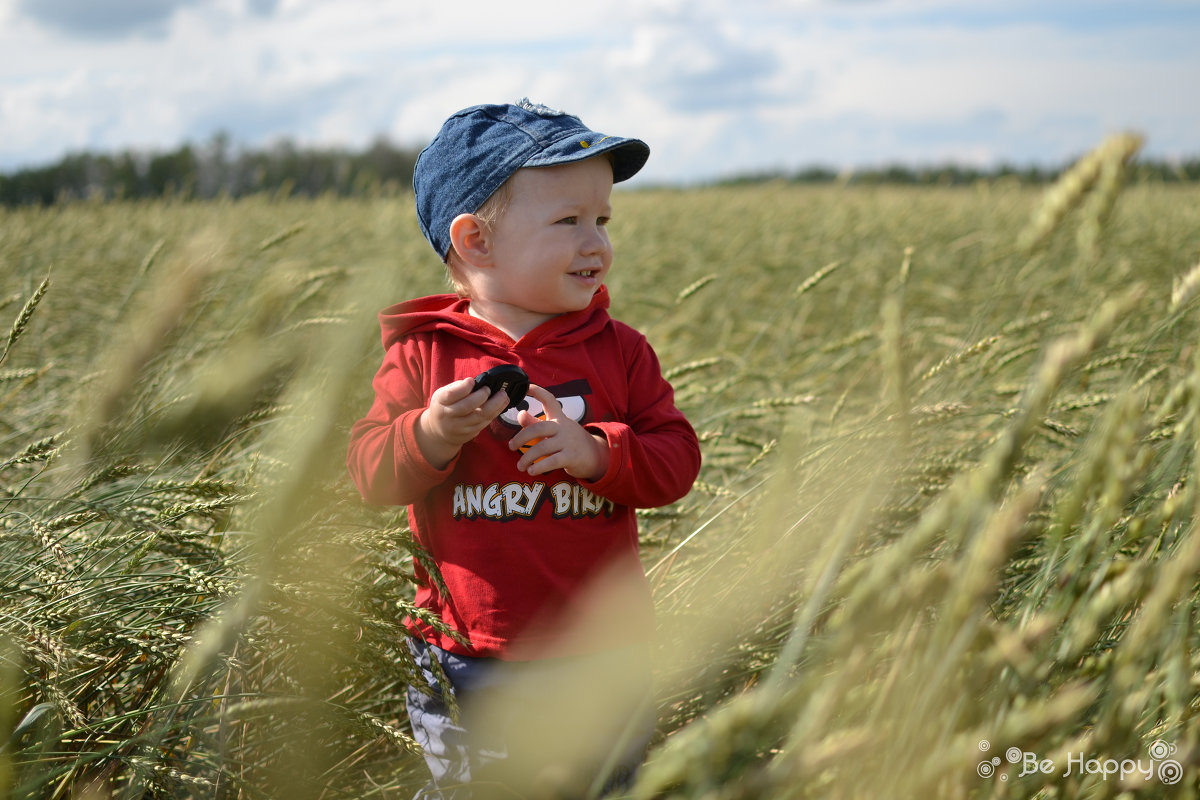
(214, 170)
(956, 175)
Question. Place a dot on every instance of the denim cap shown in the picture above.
(480, 147)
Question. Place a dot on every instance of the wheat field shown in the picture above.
(943, 543)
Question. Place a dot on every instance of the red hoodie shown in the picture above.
(515, 549)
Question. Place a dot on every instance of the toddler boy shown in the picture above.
(527, 509)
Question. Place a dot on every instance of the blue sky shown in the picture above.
(716, 88)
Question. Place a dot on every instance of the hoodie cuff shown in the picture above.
(616, 434)
(411, 460)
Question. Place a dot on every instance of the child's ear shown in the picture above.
(470, 238)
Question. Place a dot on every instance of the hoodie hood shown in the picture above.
(448, 313)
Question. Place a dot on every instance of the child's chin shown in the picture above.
(580, 306)
(578, 303)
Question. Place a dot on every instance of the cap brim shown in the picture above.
(628, 155)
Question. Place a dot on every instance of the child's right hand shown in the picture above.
(456, 414)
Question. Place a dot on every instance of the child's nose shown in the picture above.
(595, 241)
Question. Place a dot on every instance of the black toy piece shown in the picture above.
(508, 378)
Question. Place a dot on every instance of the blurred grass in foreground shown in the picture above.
(946, 499)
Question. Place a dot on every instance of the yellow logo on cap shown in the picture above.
(598, 141)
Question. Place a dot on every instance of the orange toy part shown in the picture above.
(525, 447)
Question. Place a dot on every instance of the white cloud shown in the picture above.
(713, 87)
(697, 65)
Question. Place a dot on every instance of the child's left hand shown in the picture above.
(562, 443)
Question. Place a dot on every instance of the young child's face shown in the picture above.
(550, 248)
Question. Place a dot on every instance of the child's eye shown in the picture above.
(568, 220)
(602, 221)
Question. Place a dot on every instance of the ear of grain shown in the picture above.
(22, 321)
(1185, 288)
(813, 280)
(1106, 165)
(694, 287)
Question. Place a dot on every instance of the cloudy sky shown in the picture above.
(717, 87)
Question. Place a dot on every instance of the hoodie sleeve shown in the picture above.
(654, 455)
(383, 458)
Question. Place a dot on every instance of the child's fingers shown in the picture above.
(495, 405)
(553, 408)
(538, 456)
(456, 391)
(539, 439)
(461, 399)
(525, 419)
